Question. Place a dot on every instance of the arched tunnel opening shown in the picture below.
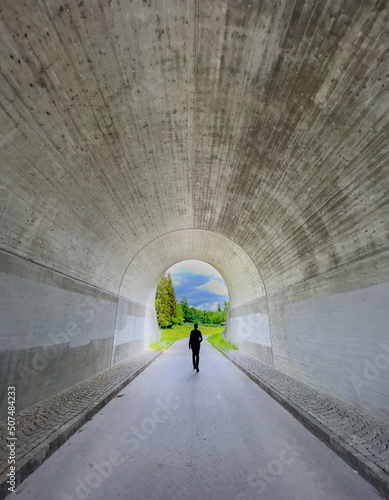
(191, 292)
(249, 135)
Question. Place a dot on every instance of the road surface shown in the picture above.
(174, 433)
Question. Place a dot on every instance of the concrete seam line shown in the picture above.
(35, 457)
(368, 470)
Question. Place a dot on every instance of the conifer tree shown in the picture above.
(185, 307)
(165, 303)
(172, 298)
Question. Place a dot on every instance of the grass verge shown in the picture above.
(217, 341)
(178, 332)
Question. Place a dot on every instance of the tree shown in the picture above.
(170, 313)
(225, 310)
(193, 315)
(180, 315)
(172, 297)
(165, 302)
(185, 307)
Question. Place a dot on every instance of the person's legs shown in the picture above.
(195, 353)
(197, 358)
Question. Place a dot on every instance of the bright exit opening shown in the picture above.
(191, 292)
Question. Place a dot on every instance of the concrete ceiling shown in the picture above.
(125, 121)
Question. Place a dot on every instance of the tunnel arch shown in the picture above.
(274, 137)
(197, 244)
(248, 313)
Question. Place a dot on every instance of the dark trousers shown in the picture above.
(196, 355)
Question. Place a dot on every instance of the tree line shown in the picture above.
(170, 313)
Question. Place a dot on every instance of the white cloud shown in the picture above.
(178, 280)
(211, 307)
(214, 286)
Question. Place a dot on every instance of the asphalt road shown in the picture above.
(174, 433)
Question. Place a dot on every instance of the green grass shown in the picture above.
(217, 341)
(159, 346)
(177, 332)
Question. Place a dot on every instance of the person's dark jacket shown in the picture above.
(195, 339)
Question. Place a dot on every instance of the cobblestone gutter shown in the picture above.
(359, 439)
(43, 428)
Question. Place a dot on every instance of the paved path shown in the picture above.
(177, 434)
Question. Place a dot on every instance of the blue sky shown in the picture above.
(201, 284)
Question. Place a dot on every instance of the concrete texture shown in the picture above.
(252, 135)
(317, 343)
(175, 433)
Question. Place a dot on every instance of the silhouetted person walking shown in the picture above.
(195, 340)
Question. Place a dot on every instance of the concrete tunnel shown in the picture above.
(252, 135)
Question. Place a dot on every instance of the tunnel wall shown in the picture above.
(57, 331)
(248, 328)
(135, 328)
(332, 333)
